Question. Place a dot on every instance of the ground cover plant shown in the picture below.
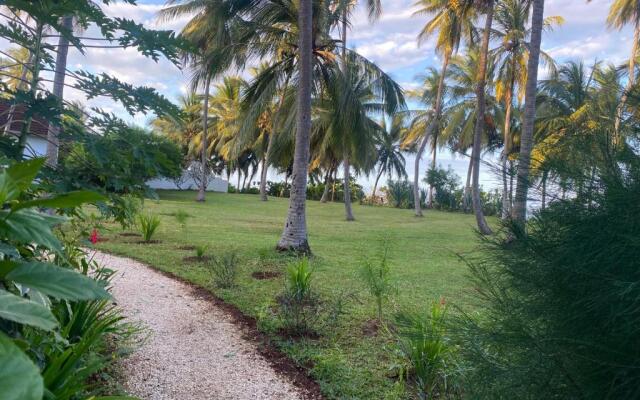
(346, 363)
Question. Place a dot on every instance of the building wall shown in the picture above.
(215, 184)
(36, 147)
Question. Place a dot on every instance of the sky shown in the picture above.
(390, 42)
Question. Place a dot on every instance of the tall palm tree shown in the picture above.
(58, 88)
(451, 20)
(390, 158)
(294, 236)
(519, 211)
(621, 14)
(483, 226)
(511, 20)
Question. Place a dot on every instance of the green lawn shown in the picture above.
(424, 259)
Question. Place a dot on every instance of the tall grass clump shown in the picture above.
(298, 302)
(376, 274)
(561, 300)
(224, 269)
(182, 217)
(148, 226)
(429, 363)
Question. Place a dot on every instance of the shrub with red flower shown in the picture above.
(94, 236)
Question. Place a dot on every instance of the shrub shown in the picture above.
(148, 226)
(429, 363)
(123, 209)
(224, 269)
(298, 302)
(376, 275)
(560, 301)
(400, 193)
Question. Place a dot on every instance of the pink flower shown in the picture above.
(94, 236)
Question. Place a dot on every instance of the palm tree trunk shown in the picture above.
(239, 188)
(467, 186)
(544, 189)
(430, 129)
(347, 191)
(483, 227)
(35, 75)
(294, 236)
(265, 166)
(325, 192)
(434, 152)
(511, 175)
(519, 212)
(507, 146)
(203, 155)
(58, 92)
(630, 82)
(244, 181)
(375, 185)
(333, 184)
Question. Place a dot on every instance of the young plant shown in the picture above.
(428, 355)
(148, 226)
(376, 275)
(298, 303)
(181, 217)
(200, 251)
(224, 269)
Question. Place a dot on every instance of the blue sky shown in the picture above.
(391, 42)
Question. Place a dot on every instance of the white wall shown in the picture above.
(215, 184)
(36, 147)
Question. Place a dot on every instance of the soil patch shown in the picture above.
(371, 327)
(190, 248)
(130, 234)
(193, 259)
(263, 275)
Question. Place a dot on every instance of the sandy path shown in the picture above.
(194, 350)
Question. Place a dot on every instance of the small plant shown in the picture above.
(428, 355)
(376, 275)
(181, 217)
(298, 303)
(200, 251)
(148, 225)
(123, 209)
(224, 269)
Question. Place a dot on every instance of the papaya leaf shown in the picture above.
(19, 377)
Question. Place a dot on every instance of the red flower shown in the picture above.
(94, 236)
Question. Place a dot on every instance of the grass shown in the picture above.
(423, 257)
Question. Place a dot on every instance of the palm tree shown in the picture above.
(483, 227)
(58, 88)
(451, 20)
(519, 211)
(511, 19)
(390, 158)
(294, 235)
(622, 13)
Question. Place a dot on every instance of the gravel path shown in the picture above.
(194, 351)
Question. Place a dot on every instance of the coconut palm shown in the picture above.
(390, 158)
(14, 68)
(451, 19)
(519, 210)
(511, 20)
(58, 89)
(487, 7)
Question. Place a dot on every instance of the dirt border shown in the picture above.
(281, 363)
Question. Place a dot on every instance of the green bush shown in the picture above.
(148, 226)
(429, 356)
(298, 302)
(224, 269)
(123, 209)
(560, 301)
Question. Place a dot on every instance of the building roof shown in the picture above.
(39, 126)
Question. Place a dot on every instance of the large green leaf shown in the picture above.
(19, 377)
(24, 311)
(57, 282)
(17, 178)
(66, 200)
(30, 226)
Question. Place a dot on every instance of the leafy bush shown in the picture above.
(560, 301)
(148, 226)
(224, 269)
(54, 318)
(429, 363)
(445, 183)
(400, 193)
(123, 209)
(298, 302)
(376, 275)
